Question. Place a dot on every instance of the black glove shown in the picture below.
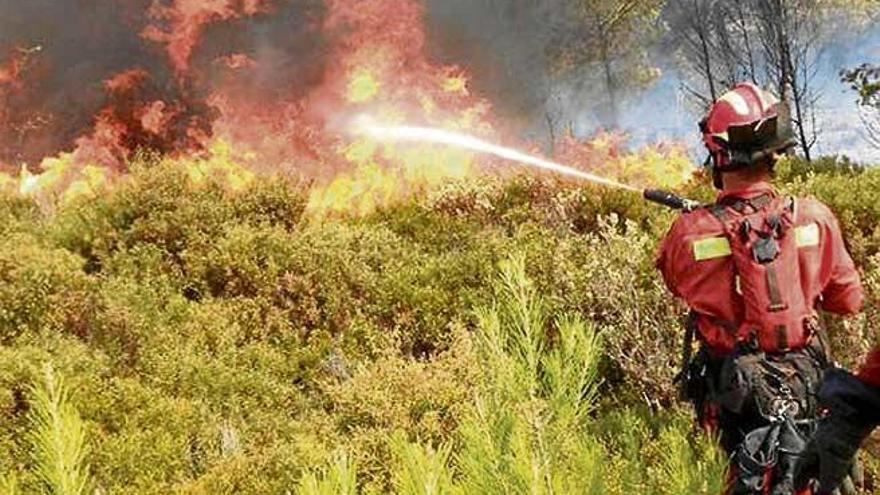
(829, 454)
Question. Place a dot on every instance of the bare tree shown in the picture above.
(773, 43)
(695, 39)
(788, 33)
(715, 44)
(613, 36)
(735, 22)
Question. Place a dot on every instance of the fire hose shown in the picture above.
(670, 200)
(366, 125)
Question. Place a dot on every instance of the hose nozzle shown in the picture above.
(670, 200)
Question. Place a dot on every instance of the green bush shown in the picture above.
(42, 288)
(216, 338)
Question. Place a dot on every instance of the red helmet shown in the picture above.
(743, 126)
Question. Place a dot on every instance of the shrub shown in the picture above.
(525, 433)
(162, 205)
(59, 439)
(421, 470)
(42, 288)
(392, 393)
(339, 479)
(215, 340)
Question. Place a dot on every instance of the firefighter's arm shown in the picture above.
(667, 254)
(854, 411)
(842, 291)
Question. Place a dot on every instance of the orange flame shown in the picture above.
(180, 25)
(375, 63)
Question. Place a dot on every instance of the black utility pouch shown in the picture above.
(771, 385)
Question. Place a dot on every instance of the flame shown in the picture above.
(362, 87)
(461, 141)
(126, 80)
(180, 25)
(217, 121)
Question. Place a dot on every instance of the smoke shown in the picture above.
(64, 57)
(72, 58)
(102, 78)
(510, 46)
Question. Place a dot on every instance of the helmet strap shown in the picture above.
(716, 179)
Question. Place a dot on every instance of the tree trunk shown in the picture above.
(700, 28)
(790, 80)
(609, 83)
(747, 42)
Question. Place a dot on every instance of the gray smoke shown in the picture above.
(509, 48)
(78, 44)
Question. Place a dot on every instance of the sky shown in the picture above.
(662, 113)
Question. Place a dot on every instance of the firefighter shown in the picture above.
(854, 411)
(755, 268)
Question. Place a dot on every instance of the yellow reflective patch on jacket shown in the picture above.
(711, 248)
(807, 235)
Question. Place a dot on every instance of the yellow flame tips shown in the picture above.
(457, 84)
(362, 87)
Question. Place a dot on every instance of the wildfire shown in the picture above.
(224, 116)
(180, 25)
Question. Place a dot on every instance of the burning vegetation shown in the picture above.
(161, 178)
(196, 76)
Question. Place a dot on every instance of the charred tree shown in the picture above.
(788, 32)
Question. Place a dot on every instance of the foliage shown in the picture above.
(525, 434)
(59, 439)
(9, 485)
(222, 340)
(41, 287)
(339, 479)
(865, 81)
(421, 470)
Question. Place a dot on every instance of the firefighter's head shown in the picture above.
(743, 130)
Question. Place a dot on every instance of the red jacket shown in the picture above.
(870, 372)
(708, 286)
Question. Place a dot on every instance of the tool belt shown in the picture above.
(752, 382)
(774, 400)
(772, 386)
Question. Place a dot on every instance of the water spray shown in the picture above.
(439, 136)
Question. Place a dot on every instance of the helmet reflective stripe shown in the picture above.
(767, 100)
(739, 104)
(740, 115)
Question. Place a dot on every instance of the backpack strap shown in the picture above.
(687, 350)
(742, 205)
(720, 212)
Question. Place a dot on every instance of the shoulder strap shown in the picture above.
(690, 330)
(755, 204)
(720, 212)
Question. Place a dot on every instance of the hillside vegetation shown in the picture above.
(174, 335)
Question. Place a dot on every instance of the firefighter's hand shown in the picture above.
(828, 457)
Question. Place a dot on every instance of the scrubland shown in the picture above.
(169, 334)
